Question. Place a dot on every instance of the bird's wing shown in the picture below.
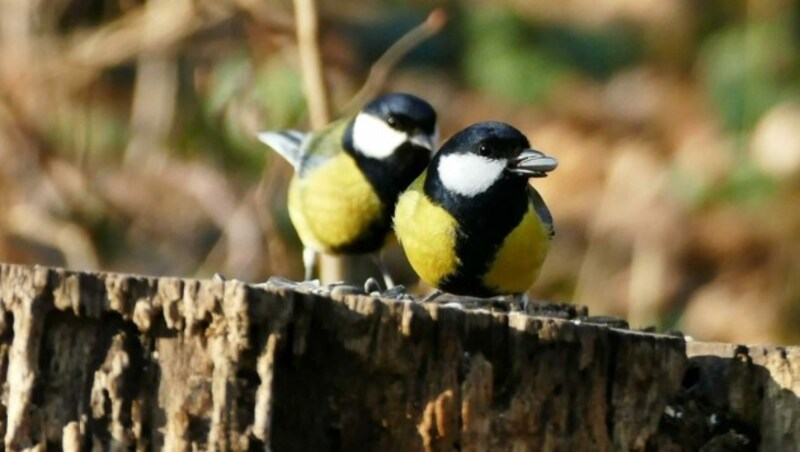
(321, 146)
(287, 143)
(542, 210)
(305, 151)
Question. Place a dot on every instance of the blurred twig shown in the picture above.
(316, 96)
(35, 224)
(155, 26)
(311, 62)
(273, 178)
(379, 72)
(154, 96)
(153, 107)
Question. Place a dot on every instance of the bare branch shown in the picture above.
(311, 62)
(382, 68)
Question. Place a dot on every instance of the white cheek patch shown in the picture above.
(469, 174)
(374, 138)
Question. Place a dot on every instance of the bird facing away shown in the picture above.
(471, 224)
(349, 174)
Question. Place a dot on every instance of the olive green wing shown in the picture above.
(305, 151)
(321, 146)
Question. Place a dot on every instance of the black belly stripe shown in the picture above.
(484, 222)
(369, 241)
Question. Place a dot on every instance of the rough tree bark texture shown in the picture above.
(112, 361)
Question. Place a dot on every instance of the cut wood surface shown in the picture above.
(117, 361)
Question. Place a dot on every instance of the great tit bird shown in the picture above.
(471, 224)
(348, 175)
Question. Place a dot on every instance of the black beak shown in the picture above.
(532, 163)
(423, 139)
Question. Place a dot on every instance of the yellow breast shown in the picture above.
(519, 259)
(333, 205)
(427, 233)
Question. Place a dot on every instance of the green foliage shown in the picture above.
(746, 185)
(520, 62)
(598, 52)
(278, 89)
(239, 94)
(501, 59)
(747, 69)
(89, 129)
(371, 38)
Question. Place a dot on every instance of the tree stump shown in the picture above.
(115, 361)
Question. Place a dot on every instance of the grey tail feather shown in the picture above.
(287, 143)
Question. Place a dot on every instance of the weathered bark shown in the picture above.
(119, 361)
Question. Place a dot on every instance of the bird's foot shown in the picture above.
(395, 292)
(398, 293)
(436, 293)
(387, 277)
(342, 288)
(519, 302)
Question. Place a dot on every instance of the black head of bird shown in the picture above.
(484, 164)
(391, 121)
(472, 224)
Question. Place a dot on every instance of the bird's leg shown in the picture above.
(521, 300)
(431, 296)
(309, 261)
(397, 292)
(387, 278)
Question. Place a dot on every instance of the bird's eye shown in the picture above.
(484, 150)
(392, 120)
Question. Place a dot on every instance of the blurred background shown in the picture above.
(127, 139)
